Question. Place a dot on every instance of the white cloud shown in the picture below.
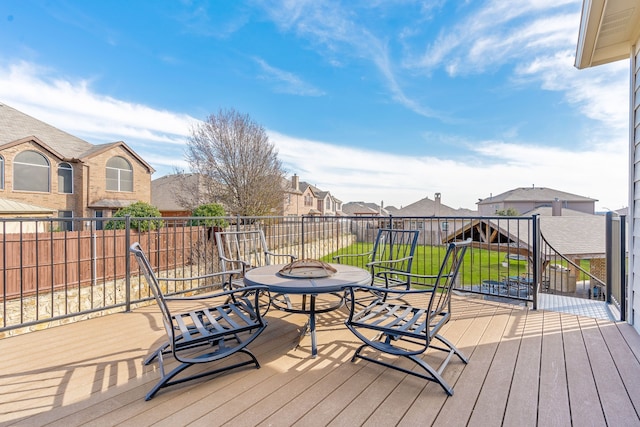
(348, 173)
(500, 32)
(287, 82)
(333, 27)
(600, 93)
(353, 174)
(36, 91)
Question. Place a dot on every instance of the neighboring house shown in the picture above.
(435, 207)
(293, 197)
(610, 31)
(178, 194)
(299, 198)
(526, 199)
(326, 204)
(431, 230)
(364, 209)
(45, 166)
(302, 198)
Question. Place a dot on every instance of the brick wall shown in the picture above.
(89, 181)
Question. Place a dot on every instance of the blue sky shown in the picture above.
(372, 100)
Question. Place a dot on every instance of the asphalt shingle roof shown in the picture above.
(17, 125)
(535, 194)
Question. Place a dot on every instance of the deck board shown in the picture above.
(553, 396)
(428, 403)
(490, 405)
(618, 409)
(522, 403)
(526, 368)
(624, 359)
(473, 376)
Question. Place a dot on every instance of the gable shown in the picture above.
(116, 148)
(32, 143)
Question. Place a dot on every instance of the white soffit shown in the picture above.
(608, 29)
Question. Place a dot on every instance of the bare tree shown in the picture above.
(242, 164)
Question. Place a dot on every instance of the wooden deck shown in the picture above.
(526, 368)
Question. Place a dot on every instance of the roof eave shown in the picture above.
(592, 11)
(597, 24)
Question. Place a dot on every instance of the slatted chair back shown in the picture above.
(390, 259)
(240, 251)
(440, 301)
(247, 247)
(393, 250)
(214, 326)
(154, 285)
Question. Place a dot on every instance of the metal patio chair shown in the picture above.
(390, 260)
(216, 326)
(408, 322)
(240, 251)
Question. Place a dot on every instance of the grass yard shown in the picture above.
(479, 264)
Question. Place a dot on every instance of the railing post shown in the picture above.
(302, 232)
(127, 262)
(623, 268)
(537, 257)
(608, 255)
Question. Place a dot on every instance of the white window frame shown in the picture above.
(64, 166)
(17, 180)
(119, 172)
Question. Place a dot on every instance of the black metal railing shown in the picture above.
(616, 262)
(55, 269)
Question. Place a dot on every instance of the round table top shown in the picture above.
(269, 276)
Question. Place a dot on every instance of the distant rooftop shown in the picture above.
(535, 194)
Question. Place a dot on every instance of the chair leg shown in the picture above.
(450, 347)
(150, 358)
(165, 381)
(431, 375)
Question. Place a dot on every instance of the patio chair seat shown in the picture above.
(222, 324)
(406, 323)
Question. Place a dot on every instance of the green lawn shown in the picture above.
(479, 264)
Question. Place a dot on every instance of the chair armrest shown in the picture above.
(229, 292)
(235, 261)
(337, 257)
(378, 290)
(185, 279)
(291, 257)
(411, 278)
(388, 263)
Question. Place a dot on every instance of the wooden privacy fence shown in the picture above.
(32, 263)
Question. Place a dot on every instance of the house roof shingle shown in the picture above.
(16, 125)
(535, 194)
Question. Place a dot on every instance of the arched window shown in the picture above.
(65, 178)
(119, 174)
(1, 173)
(31, 172)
